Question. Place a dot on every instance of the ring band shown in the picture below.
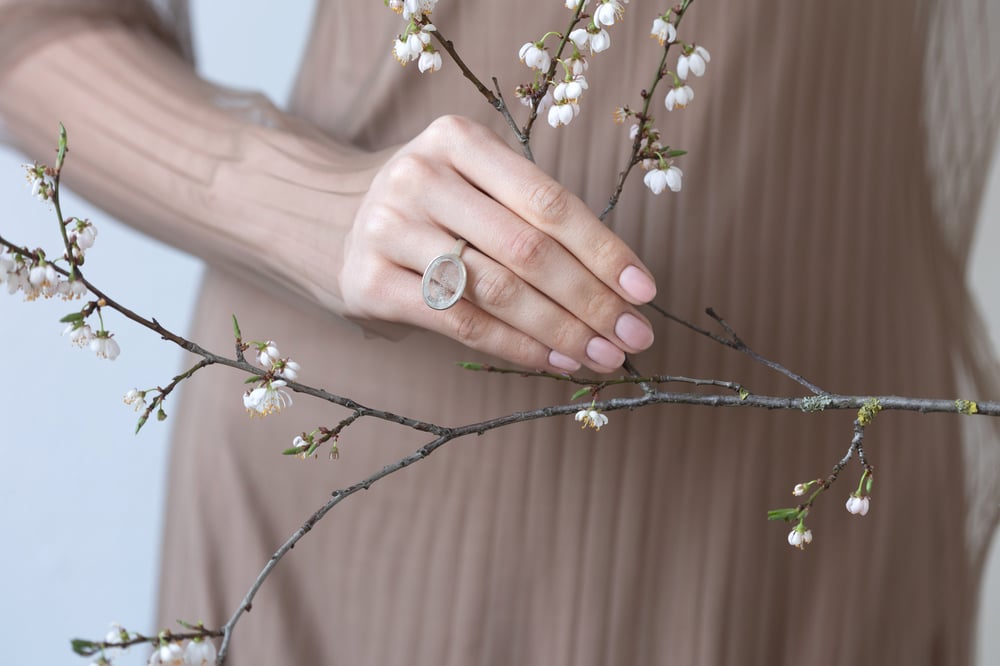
(444, 278)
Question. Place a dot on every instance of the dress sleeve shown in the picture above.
(222, 174)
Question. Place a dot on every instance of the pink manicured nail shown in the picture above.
(563, 362)
(633, 331)
(603, 352)
(637, 284)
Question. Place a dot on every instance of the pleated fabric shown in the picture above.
(811, 218)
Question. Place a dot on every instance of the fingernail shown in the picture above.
(637, 284)
(562, 361)
(633, 331)
(603, 352)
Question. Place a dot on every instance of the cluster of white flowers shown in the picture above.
(561, 101)
(692, 59)
(199, 652)
(415, 44)
(410, 9)
(41, 181)
(566, 100)
(36, 278)
(269, 358)
(591, 417)
(270, 396)
(858, 504)
(101, 342)
(661, 172)
(800, 536)
(594, 36)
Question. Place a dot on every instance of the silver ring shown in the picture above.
(444, 278)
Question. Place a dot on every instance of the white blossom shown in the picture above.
(199, 653)
(563, 113)
(267, 399)
(84, 235)
(569, 91)
(411, 8)
(290, 370)
(580, 37)
(858, 505)
(114, 636)
(799, 537)
(105, 346)
(42, 185)
(79, 336)
(799, 490)
(663, 30)
(573, 4)
(168, 654)
(135, 397)
(694, 61)
(679, 97)
(535, 56)
(608, 12)
(429, 60)
(600, 41)
(659, 179)
(268, 354)
(591, 417)
(70, 289)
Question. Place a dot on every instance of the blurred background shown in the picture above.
(80, 497)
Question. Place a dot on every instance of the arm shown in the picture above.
(550, 286)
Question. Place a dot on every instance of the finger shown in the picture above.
(504, 296)
(394, 294)
(483, 159)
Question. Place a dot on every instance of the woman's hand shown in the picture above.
(549, 286)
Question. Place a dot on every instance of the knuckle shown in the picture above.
(498, 289)
(600, 305)
(377, 221)
(530, 248)
(452, 130)
(405, 171)
(549, 202)
(469, 328)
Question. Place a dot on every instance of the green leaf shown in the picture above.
(84, 648)
(676, 153)
(142, 422)
(787, 515)
(868, 486)
(251, 379)
(61, 155)
(236, 329)
(294, 451)
(744, 394)
(469, 366)
(581, 392)
(72, 317)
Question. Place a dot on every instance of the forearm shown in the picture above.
(225, 176)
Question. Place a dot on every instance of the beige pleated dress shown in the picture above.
(836, 156)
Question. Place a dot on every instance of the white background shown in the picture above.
(80, 496)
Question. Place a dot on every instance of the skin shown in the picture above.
(550, 286)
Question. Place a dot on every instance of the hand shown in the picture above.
(549, 285)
